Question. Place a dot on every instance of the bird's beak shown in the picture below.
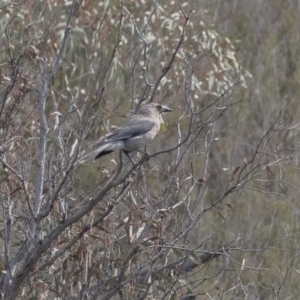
(165, 109)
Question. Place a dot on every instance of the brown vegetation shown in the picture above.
(212, 212)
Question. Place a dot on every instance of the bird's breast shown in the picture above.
(139, 141)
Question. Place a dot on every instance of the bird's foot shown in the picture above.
(146, 154)
(133, 174)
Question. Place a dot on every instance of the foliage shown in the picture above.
(211, 211)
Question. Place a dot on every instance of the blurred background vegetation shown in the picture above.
(256, 43)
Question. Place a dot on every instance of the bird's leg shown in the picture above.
(145, 153)
(127, 154)
(114, 177)
(134, 172)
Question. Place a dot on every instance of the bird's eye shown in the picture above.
(158, 107)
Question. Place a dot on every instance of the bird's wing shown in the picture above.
(133, 127)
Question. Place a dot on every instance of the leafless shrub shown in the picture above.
(160, 228)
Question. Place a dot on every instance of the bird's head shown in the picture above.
(162, 108)
(153, 108)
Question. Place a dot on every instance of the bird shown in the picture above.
(138, 131)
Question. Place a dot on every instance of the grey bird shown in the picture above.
(135, 133)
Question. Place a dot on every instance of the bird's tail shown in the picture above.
(102, 150)
(88, 156)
